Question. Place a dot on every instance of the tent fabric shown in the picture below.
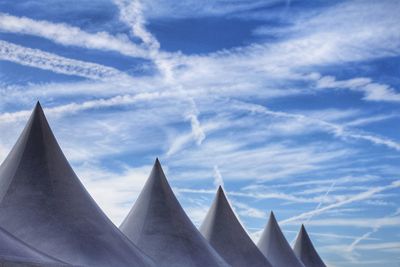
(158, 225)
(305, 251)
(275, 247)
(14, 252)
(223, 230)
(43, 203)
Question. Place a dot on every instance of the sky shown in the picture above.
(292, 106)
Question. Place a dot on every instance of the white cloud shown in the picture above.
(379, 224)
(248, 211)
(131, 12)
(48, 61)
(114, 192)
(218, 181)
(348, 200)
(372, 91)
(351, 222)
(119, 100)
(70, 36)
(338, 130)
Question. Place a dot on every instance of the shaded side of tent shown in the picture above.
(223, 230)
(275, 247)
(14, 252)
(305, 251)
(158, 224)
(37, 185)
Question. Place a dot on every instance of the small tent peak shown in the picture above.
(305, 251)
(275, 247)
(226, 234)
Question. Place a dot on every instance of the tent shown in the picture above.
(305, 251)
(43, 203)
(275, 247)
(225, 233)
(158, 225)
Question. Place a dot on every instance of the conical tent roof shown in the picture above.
(16, 253)
(275, 247)
(225, 233)
(43, 203)
(158, 225)
(305, 251)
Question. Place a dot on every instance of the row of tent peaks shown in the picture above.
(47, 218)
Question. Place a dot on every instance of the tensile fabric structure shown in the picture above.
(158, 225)
(225, 233)
(44, 204)
(275, 247)
(16, 253)
(305, 251)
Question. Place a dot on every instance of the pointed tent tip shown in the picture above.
(303, 231)
(38, 110)
(157, 164)
(38, 106)
(157, 172)
(272, 217)
(220, 192)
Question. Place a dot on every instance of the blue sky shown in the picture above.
(292, 105)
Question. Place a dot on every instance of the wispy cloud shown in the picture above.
(218, 181)
(335, 129)
(131, 12)
(71, 36)
(48, 61)
(114, 192)
(372, 91)
(365, 236)
(87, 105)
(358, 197)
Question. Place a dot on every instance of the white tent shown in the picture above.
(44, 204)
(225, 233)
(305, 251)
(158, 225)
(275, 247)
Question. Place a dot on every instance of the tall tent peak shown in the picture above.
(275, 247)
(225, 233)
(158, 225)
(38, 184)
(305, 251)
